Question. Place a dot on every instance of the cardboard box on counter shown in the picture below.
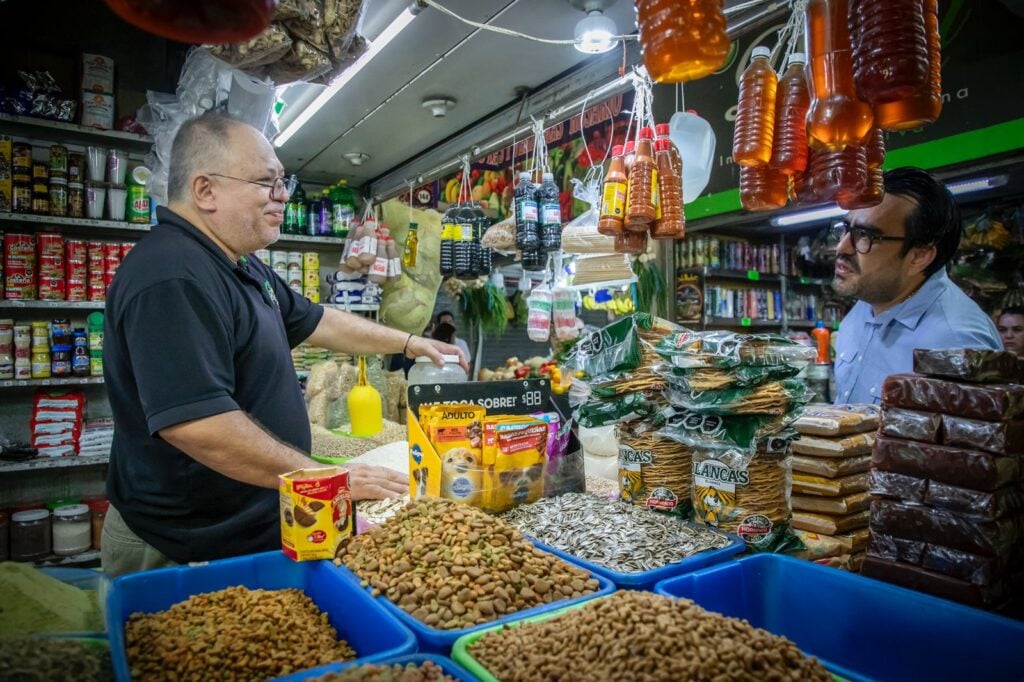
(316, 512)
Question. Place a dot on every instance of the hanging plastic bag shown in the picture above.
(580, 236)
(567, 326)
(538, 325)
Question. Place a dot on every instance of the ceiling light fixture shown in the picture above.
(439, 106)
(811, 216)
(379, 43)
(976, 185)
(595, 33)
(357, 158)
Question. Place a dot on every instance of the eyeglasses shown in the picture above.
(280, 190)
(862, 238)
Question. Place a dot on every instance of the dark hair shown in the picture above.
(200, 141)
(1012, 310)
(443, 332)
(935, 221)
(443, 313)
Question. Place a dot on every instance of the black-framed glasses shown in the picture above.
(280, 190)
(862, 238)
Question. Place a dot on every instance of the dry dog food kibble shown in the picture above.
(453, 566)
(642, 636)
(428, 671)
(235, 633)
(30, 659)
(616, 535)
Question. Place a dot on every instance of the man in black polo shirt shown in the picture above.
(207, 409)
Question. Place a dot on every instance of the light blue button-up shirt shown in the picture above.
(870, 347)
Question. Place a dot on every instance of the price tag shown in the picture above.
(744, 321)
(805, 280)
(753, 275)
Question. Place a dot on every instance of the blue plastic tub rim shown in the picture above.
(449, 666)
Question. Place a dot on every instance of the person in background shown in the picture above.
(207, 409)
(892, 258)
(444, 333)
(446, 317)
(1010, 324)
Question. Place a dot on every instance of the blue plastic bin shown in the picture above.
(647, 579)
(859, 628)
(369, 629)
(433, 640)
(450, 667)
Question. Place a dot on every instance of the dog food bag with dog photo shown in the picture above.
(456, 431)
(515, 454)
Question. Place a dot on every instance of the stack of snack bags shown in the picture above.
(948, 512)
(733, 399)
(830, 482)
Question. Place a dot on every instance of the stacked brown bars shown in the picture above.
(946, 476)
(831, 476)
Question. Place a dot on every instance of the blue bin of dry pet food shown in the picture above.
(434, 640)
(860, 629)
(646, 580)
(360, 620)
(450, 667)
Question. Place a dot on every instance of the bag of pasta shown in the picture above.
(614, 348)
(713, 431)
(720, 379)
(747, 496)
(628, 407)
(654, 472)
(776, 398)
(727, 349)
(616, 384)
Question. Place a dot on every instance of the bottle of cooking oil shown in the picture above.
(789, 145)
(755, 113)
(682, 41)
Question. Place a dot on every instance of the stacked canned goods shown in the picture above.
(300, 271)
(718, 253)
(41, 350)
(76, 270)
(311, 276)
(739, 303)
(20, 283)
(7, 349)
(22, 351)
(51, 267)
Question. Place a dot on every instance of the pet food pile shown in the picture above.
(830, 482)
(946, 475)
(641, 636)
(453, 566)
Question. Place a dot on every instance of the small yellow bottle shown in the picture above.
(365, 407)
(412, 245)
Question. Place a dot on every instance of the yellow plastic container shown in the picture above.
(365, 407)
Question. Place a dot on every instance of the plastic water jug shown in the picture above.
(695, 140)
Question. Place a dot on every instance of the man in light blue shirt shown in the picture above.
(892, 258)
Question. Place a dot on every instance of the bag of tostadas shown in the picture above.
(316, 512)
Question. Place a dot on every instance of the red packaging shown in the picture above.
(19, 281)
(76, 269)
(51, 288)
(108, 276)
(125, 248)
(51, 265)
(75, 290)
(76, 250)
(50, 244)
(95, 252)
(97, 291)
(19, 245)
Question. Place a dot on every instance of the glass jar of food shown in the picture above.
(426, 372)
(30, 535)
(72, 530)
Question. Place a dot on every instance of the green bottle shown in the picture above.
(343, 200)
(298, 201)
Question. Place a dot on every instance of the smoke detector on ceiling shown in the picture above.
(357, 158)
(439, 106)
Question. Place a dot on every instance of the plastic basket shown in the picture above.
(447, 665)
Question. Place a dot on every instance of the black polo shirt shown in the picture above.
(190, 334)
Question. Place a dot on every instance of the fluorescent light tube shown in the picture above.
(381, 41)
(976, 185)
(811, 216)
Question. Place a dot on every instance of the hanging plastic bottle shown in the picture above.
(672, 223)
(755, 111)
(837, 117)
(643, 192)
(631, 242)
(874, 191)
(613, 195)
(682, 41)
(448, 243)
(840, 172)
(763, 188)
(412, 246)
(368, 249)
(538, 321)
(550, 212)
(526, 214)
(629, 155)
(378, 272)
(925, 104)
(793, 99)
(394, 260)
(564, 313)
(890, 49)
(465, 220)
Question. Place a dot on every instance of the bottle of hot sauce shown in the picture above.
(613, 197)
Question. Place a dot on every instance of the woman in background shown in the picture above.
(1010, 325)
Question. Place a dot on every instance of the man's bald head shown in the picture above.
(203, 142)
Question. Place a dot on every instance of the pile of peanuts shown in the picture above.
(427, 671)
(453, 566)
(642, 636)
(233, 634)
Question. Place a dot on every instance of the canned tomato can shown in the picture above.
(16, 244)
(50, 244)
(19, 281)
(51, 287)
(75, 290)
(97, 291)
(75, 250)
(51, 265)
(126, 247)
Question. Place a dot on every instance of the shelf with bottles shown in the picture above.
(326, 243)
(748, 275)
(722, 256)
(321, 217)
(33, 220)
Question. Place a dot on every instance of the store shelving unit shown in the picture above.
(329, 243)
(36, 383)
(52, 305)
(41, 463)
(57, 131)
(90, 557)
(56, 221)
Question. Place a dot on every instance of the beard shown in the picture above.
(878, 288)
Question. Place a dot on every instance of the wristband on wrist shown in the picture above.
(405, 350)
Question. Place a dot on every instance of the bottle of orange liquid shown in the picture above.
(755, 113)
(874, 156)
(631, 242)
(672, 223)
(925, 104)
(837, 117)
(643, 186)
(628, 154)
(763, 188)
(839, 173)
(801, 189)
(890, 49)
(821, 337)
(789, 146)
(613, 196)
(682, 41)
